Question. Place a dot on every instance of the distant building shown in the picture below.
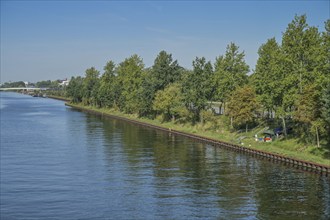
(64, 82)
(28, 84)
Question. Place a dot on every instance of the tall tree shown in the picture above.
(301, 46)
(130, 76)
(106, 90)
(268, 75)
(169, 101)
(165, 70)
(326, 109)
(303, 66)
(75, 89)
(243, 106)
(308, 113)
(324, 66)
(230, 73)
(90, 85)
(196, 86)
(146, 94)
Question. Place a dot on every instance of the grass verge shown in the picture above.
(285, 147)
(59, 98)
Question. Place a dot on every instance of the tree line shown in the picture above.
(290, 84)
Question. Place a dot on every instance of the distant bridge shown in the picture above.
(23, 88)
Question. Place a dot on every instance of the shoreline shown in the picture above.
(274, 157)
(59, 98)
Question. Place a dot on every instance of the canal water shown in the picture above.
(59, 163)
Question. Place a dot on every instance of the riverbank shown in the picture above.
(59, 98)
(283, 152)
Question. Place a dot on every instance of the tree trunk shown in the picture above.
(224, 107)
(317, 137)
(284, 127)
(231, 121)
(271, 113)
(246, 128)
(300, 80)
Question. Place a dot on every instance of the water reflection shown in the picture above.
(203, 181)
(60, 163)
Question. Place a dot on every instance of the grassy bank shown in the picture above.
(289, 148)
(59, 98)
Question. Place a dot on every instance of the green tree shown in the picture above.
(268, 76)
(44, 84)
(130, 76)
(326, 48)
(243, 106)
(301, 45)
(90, 86)
(146, 94)
(324, 66)
(326, 109)
(302, 64)
(18, 84)
(106, 90)
(75, 89)
(196, 87)
(230, 73)
(169, 101)
(308, 113)
(165, 70)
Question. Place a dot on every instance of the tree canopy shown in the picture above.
(290, 84)
(230, 73)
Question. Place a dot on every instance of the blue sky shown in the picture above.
(43, 40)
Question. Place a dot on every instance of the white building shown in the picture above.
(64, 82)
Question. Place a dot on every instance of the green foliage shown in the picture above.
(208, 117)
(75, 89)
(308, 105)
(185, 116)
(324, 67)
(230, 73)
(268, 74)
(130, 77)
(106, 89)
(291, 78)
(308, 112)
(165, 71)
(326, 105)
(196, 86)
(169, 101)
(18, 84)
(146, 94)
(44, 84)
(90, 85)
(243, 106)
(48, 84)
(301, 47)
